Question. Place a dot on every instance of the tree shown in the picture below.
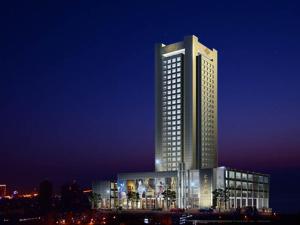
(226, 196)
(130, 195)
(133, 197)
(169, 195)
(220, 197)
(137, 198)
(94, 199)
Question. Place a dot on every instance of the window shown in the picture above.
(231, 184)
(244, 176)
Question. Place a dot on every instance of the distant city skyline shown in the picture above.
(64, 67)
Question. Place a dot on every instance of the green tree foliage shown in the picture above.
(220, 198)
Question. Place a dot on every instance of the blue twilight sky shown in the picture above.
(77, 87)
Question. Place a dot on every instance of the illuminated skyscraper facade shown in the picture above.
(186, 106)
(186, 134)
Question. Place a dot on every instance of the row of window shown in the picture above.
(207, 69)
(173, 86)
(171, 121)
(205, 63)
(174, 138)
(172, 76)
(245, 185)
(173, 60)
(165, 102)
(171, 107)
(245, 176)
(170, 66)
(172, 81)
(176, 70)
(207, 81)
(248, 194)
(172, 149)
(174, 153)
(174, 143)
(172, 133)
(172, 128)
(165, 118)
(173, 159)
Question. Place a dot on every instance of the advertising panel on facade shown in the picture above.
(150, 187)
(160, 187)
(206, 188)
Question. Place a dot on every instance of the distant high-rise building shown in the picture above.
(2, 190)
(186, 131)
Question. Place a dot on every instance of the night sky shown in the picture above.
(77, 87)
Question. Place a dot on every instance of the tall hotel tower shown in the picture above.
(186, 140)
(186, 131)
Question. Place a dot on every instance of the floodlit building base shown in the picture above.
(190, 189)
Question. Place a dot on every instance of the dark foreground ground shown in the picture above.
(151, 217)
